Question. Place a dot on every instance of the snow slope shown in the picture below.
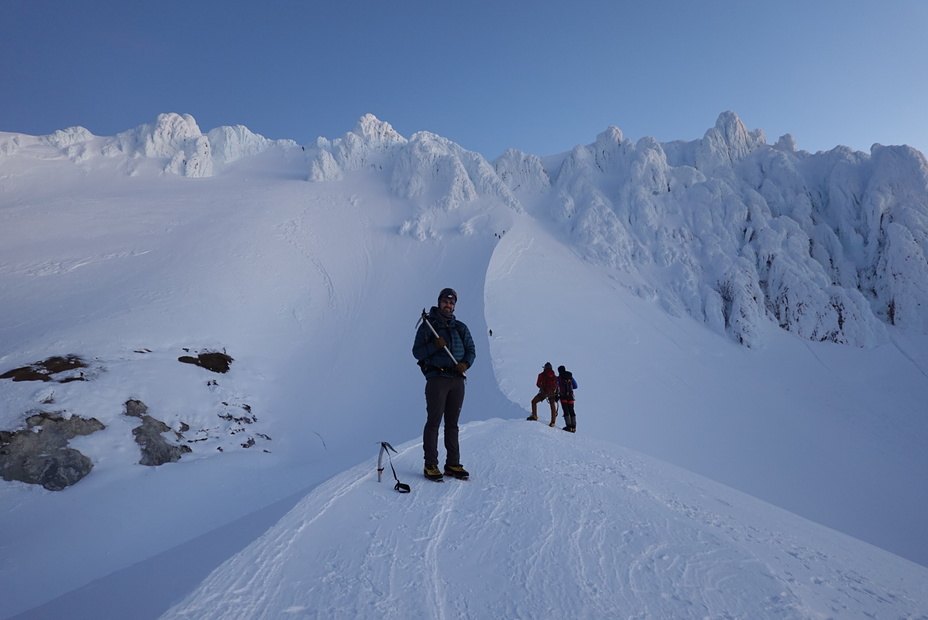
(828, 431)
(314, 289)
(551, 525)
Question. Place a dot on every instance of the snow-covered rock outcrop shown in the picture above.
(367, 145)
(727, 229)
(739, 233)
(174, 139)
(430, 171)
(523, 172)
(228, 144)
(447, 174)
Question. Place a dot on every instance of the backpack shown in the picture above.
(567, 387)
(549, 383)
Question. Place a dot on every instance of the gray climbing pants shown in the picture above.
(444, 397)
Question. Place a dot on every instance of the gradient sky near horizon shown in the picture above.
(539, 76)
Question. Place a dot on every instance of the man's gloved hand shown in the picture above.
(461, 367)
(439, 343)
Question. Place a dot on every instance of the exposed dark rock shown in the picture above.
(136, 408)
(149, 435)
(212, 360)
(43, 371)
(39, 454)
(26, 373)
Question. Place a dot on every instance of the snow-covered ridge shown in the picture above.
(829, 246)
(600, 533)
(428, 169)
(174, 138)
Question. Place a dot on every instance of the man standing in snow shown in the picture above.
(444, 356)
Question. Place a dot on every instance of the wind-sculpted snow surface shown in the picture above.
(551, 525)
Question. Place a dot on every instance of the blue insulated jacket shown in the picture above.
(436, 360)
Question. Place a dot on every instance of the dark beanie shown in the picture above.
(448, 293)
(561, 370)
(548, 366)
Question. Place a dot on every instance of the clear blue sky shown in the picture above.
(536, 75)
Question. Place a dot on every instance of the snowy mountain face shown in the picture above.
(747, 233)
(830, 246)
(645, 267)
(174, 141)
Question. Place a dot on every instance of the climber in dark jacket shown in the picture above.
(445, 381)
(566, 386)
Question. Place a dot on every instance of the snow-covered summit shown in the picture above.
(173, 140)
(427, 168)
(748, 233)
(228, 144)
(366, 145)
(728, 143)
(166, 136)
(172, 136)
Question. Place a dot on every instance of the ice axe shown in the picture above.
(385, 447)
(425, 318)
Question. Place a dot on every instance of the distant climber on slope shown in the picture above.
(547, 390)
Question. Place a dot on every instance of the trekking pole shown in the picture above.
(447, 350)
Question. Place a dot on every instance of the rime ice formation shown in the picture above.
(827, 246)
(173, 139)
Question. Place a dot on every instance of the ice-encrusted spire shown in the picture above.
(365, 145)
(727, 143)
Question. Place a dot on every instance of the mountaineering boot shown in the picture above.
(433, 473)
(532, 417)
(456, 471)
(553, 424)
